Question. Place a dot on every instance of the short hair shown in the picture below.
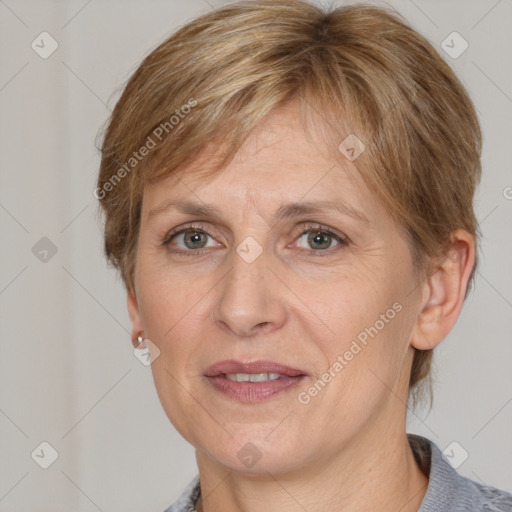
(359, 68)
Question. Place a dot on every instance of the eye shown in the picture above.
(189, 240)
(320, 239)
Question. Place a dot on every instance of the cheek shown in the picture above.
(166, 298)
(176, 401)
(364, 362)
(369, 326)
(169, 310)
(176, 312)
(348, 304)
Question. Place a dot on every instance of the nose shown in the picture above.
(250, 298)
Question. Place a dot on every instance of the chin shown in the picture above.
(252, 452)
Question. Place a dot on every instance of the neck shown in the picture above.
(373, 473)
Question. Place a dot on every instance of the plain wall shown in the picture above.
(68, 375)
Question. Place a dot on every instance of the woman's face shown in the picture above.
(325, 301)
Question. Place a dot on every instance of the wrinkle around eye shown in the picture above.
(286, 236)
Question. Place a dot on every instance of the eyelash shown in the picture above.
(343, 241)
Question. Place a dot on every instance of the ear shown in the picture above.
(133, 311)
(444, 291)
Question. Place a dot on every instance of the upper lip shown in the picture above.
(233, 366)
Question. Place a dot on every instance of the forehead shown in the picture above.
(280, 159)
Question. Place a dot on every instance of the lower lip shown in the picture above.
(250, 392)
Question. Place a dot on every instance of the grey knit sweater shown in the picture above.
(447, 491)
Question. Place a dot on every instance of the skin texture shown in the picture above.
(346, 449)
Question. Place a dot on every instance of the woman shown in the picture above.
(288, 195)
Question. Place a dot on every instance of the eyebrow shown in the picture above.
(285, 211)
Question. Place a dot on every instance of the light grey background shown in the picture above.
(67, 372)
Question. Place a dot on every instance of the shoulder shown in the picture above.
(475, 497)
(492, 499)
(186, 501)
(448, 491)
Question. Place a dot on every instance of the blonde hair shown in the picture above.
(360, 67)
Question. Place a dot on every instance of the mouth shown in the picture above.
(253, 381)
